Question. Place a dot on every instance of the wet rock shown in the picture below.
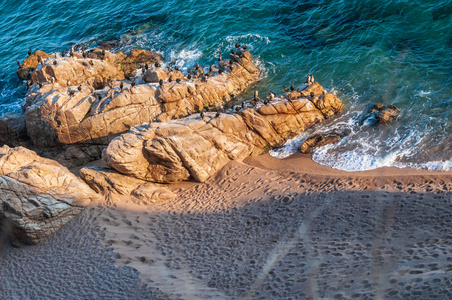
(199, 145)
(387, 114)
(320, 140)
(38, 195)
(104, 180)
(137, 59)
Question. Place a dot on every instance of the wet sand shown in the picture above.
(262, 229)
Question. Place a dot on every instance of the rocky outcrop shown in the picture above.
(319, 140)
(199, 145)
(30, 64)
(13, 131)
(104, 180)
(38, 195)
(81, 115)
(380, 114)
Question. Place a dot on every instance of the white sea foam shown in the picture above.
(185, 59)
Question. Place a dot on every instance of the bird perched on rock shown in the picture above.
(308, 79)
(18, 63)
(189, 76)
(232, 52)
(312, 78)
(220, 71)
(71, 52)
(237, 45)
(286, 89)
(237, 108)
(103, 54)
(121, 85)
(157, 65)
(268, 98)
(70, 92)
(79, 88)
(170, 79)
(312, 94)
(211, 68)
(256, 95)
(203, 78)
(146, 67)
(91, 62)
(133, 82)
(39, 60)
(197, 66)
(29, 52)
(217, 114)
(83, 53)
(220, 58)
(176, 68)
(202, 114)
(243, 104)
(161, 82)
(178, 80)
(63, 53)
(40, 85)
(55, 62)
(244, 47)
(272, 96)
(292, 88)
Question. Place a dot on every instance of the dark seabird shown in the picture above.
(143, 70)
(91, 62)
(323, 92)
(178, 80)
(55, 56)
(176, 68)
(18, 63)
(121, 85)
(220, 71)
(211, 68)
(232, 52)
(133, 82)
(202, 114)
(220, 58)
(170, 79)
(99, 96)
(243, 104)
(161, 82)
(237, 45)
(71, 52)
(292, 88)
(256, 95)
(55, 62)
(217, 114)
(197, 66)
(312, 94)
(237, 108)
(104, 82)
(204, 78)
(40, 85)
(103, 54)
(308, 80)
(63, 53)
(39, 60)
(83, 48)
(71, 93)
(189, 76)
(286, 89)
(244, 47)
(146, 67)
(83, 53)
(79, 88)
(29, 52)
(268, 97)
(157, 65)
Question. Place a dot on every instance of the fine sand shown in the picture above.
(262, 229)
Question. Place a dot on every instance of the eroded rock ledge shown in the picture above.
(38, 195)
(201, 144)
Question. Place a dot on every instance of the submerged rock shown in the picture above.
(199, 145)
(380, 114)
(38, 195)
(319, 140)
(104, 180)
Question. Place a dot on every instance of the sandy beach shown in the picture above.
(260, 229)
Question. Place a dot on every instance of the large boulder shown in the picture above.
(30, 64)
(106, 180)
(57, 114)
(13, 131)
(319, 140)
(38, 195)
(199, 145)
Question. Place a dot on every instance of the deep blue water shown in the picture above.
(390, 52)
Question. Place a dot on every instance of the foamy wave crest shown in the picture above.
(185, 59)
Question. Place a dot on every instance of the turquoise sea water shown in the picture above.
(390, 52)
